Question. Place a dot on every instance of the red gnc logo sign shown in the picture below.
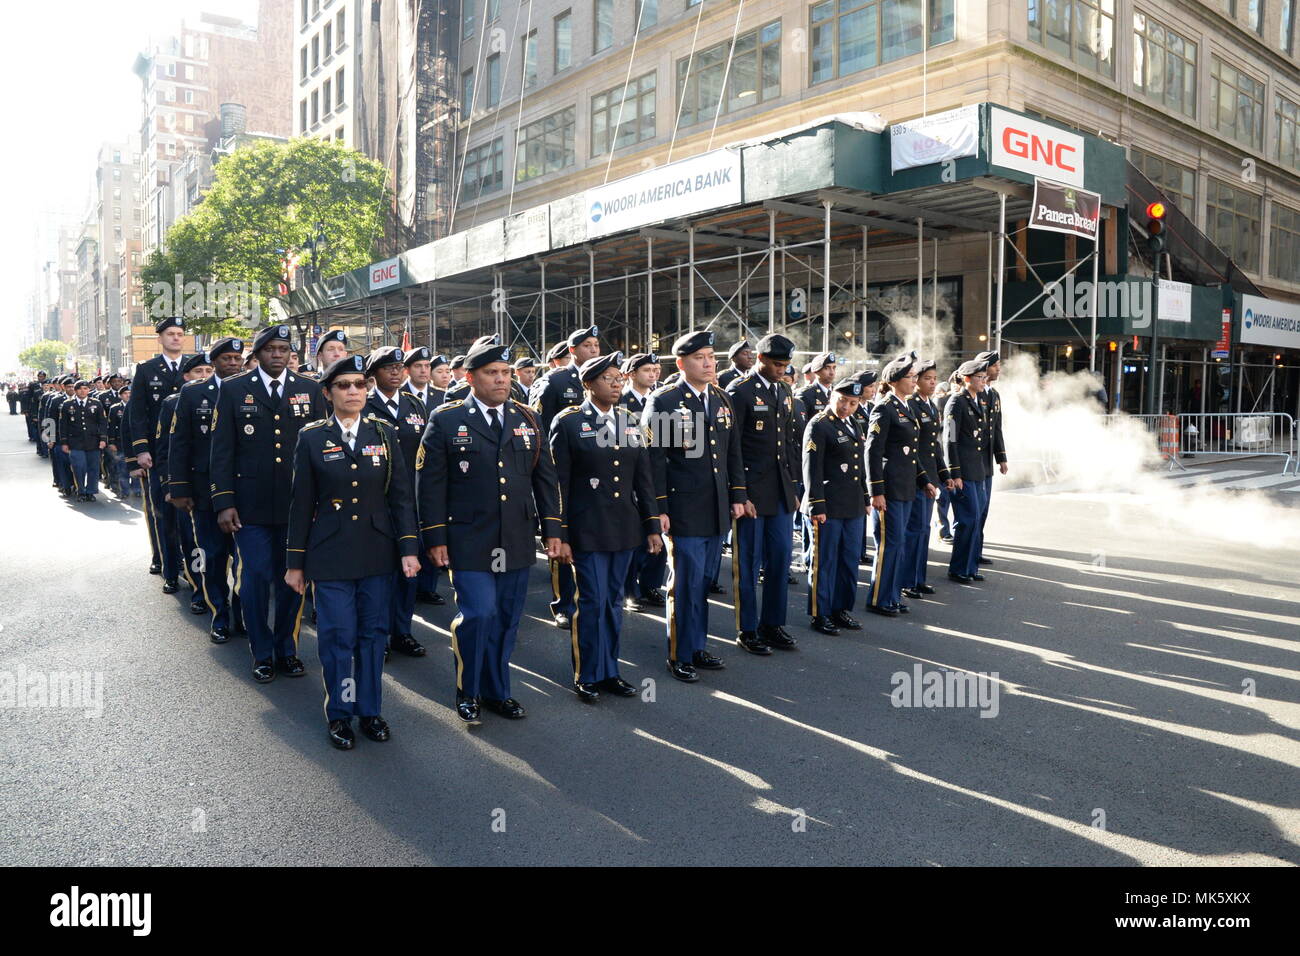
(386, 273)
(1033, 147)
(1026, 145)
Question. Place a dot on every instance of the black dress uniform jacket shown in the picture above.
(893, 457)
(189, 452)
(351, 510)
(252, 444)
(409, 424)
(995, 450)
(633, 402)
(769, 441)
(965, 433)
(162, 439)
(153, 382)
(834, 476)
(730, 375)
(813, 398)
(695, 459)
(433, 397)
(557, 392)
(53, 412)
(604, 478)
(115, 415)
(930, 442)
(82, 425)
(477, 497)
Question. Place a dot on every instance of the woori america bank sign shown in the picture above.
(1270, 322)
(693, 185)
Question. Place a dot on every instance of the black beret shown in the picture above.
(348, 365)
(692, 342)
(124, 388)
(386, 355)
(739, 347)
(867, 377)
(437, 360)
(418, 354)
(526, 362)
(594, 368)
(481, 355)
(821, 360)
(580, 336)
(776, 346)
(492, 339)
(973, 367)
(458, 361)
(557, 351)
(306, 368)
(924, 365)
(989, 358)
(222, 346)
(276, 333)
(194, 361)
(848, 386)
(897, 368)
(636, 361)
(807, 368)
(81, 383)
(333, 335)
(164, 324)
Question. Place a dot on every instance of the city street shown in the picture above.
(1146, 712)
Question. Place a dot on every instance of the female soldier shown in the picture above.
(896, 473)
(606, 483)
(351, 513)
(964, 436)
(917, 551)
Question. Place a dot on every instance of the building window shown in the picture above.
(302, 116)
(754, 77)
(117, 193)
(1164, 65)
(1286, 132)
(1255, 15)
(603, 20)
(328, 34)
(326, 98)
(630, 110)
(467, 19)
(315, 107)
(1178, 183)
(303, 71)
(647, 13)
(466, 92)
(338, 135)
(853, 35)
(530, 60)
(315, 52)
(339, 98)
(189, 96)
(305, 15)
(1232, 222)
(1236, 104)
(563, 41)
(545, 146)
(483, 171)
(1286, 27)
(493, 79)
(1080, 30)
(340, 37)
(1284, 244)
(493, 11)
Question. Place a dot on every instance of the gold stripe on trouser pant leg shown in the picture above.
(297, 621)
(735, 568)
(555, 579)
(876, 565)
(146, 499)
(816, 561)
(573, 630)
(455, 645)
(203, 575)
(671, 587)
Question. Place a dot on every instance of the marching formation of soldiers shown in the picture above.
(346, 487)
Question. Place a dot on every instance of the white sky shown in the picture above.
(65, 67)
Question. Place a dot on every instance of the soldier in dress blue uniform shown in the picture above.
(83, 434)
(741, 355)
(870, 381)
(525, 374)
(189, 480)
(196, 368)
(351, 528)
(430, 390)
(154, 380)
(603, 469)
(331, 347)
(51, 425)
(459, 389)
(836, 495)
(995, 449)
(31, 398)
(645, 575)
(965, 435)
(259, 415)
(484, 476)
(893, 459)
(419, 371)
(700, 486)
(405, 414)
(762, 538)
(916, 554)
(812, 398)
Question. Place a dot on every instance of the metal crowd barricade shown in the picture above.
(1240, 435)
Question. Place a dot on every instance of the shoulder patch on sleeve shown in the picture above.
(447, 406)
(316, 424)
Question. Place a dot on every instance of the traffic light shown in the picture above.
(1114, 346)
(1156, 226)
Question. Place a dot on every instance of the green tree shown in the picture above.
(225, 256)
(46, 356)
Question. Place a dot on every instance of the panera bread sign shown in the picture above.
(1065, 209)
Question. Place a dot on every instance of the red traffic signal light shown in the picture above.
(1155, 226)
(1156, 210)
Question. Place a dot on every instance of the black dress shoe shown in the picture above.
(264, 672)
(155, 568)
(587, 693)
(707, 661)
(823, 625)
(376, 728)
(198, 607)
(882, 610)
(963, 578)
(977, 577)
(717, 589)
(923, 589)
(219, 635)
(776, 637)
(616, 685)
(654, 598)
(683, 672)
(632, 604)
(753, 643)
(789, 578)
(290, 666)
(946, 537)
(913, 593)
(237, 627)
(842, 619)
(90, 498)
(430, 597)
(171, 586)
(313, 617)
(341, 734)
(407, 645)
(903, 608)
(509, 707)
(984, 560)
(562, 621)
(467, 709)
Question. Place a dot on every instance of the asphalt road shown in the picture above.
(1123, 733)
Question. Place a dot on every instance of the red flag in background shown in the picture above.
(406, 341)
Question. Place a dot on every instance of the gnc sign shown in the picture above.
(386, 273)
(1018, 142)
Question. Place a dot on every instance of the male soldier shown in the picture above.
(419, 372)
(440, 378)
(154, 380)
(196, 368)
(525, 374)
(189, 479)
(390, 403)
(31, 398)
(51, 424)
(645, 575)
(460, 389)
(742, 360)
(457, 366)
(432, 375)
(484, 474)
(556, 357)
(700, 485)
(965, 435)
(812, 398)
(120, 435)
(83, 434)
(331, 347)
(995, 448)
(762, 537)
(258, 419)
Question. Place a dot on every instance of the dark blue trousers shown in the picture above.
(945, 505)
(483, 632)
(216, 549)
(165, 527)
(917, 551)
(85, 470)
(646, 571)
(427, 579)
(891, 543)
(601, 577)
(61, 465)
(402, 604)
(260, 549)
(833, 572)
(562, 584)
(968, 508)
(351, 634)
(764, 542)
(984, 515)
(125, 482)
(690, 562)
